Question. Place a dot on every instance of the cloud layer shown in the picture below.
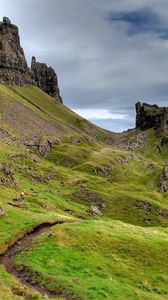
(108, 54)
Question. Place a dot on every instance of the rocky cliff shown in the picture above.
(13, 66)
(46, 79)
(151, 116)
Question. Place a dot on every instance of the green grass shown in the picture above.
(154, 148)
(101, 260)
(121, 255)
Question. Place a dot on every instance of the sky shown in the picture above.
(108, 54)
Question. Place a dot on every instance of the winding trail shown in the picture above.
(7, 259)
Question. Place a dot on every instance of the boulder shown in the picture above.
(94, 210)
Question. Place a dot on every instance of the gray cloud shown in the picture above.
(99, 65)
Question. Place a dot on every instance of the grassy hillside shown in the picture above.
(119, 255)
(100, 260)
(31, 109)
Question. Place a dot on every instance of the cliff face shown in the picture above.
(13, 65)
(151, 116)
(46, 79)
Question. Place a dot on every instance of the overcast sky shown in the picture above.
(107, 53)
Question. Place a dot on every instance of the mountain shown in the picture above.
(13, 64)
(83, 211)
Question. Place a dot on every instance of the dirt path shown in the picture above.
(7, 259)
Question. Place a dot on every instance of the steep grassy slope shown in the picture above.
(31, 114)
(117, 252)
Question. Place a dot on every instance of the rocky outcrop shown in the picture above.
(163, 183)
(7, 177)
(46, 79)
(45, 144)
(151, 116)
(13, 65)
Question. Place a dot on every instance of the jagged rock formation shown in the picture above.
(46, 79)
(13, 65)
(151, 116)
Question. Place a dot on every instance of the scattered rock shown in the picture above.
(2, 212)
(6, 137)
(164, 213)
(89, 196)
(6, 175)
(104, 170)
(94, 210)
(45, 144)
(75, 140)
(145, 206)
(36, 159)
(78, 181)
(163, 183)
(136, 142)
(102, 205)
